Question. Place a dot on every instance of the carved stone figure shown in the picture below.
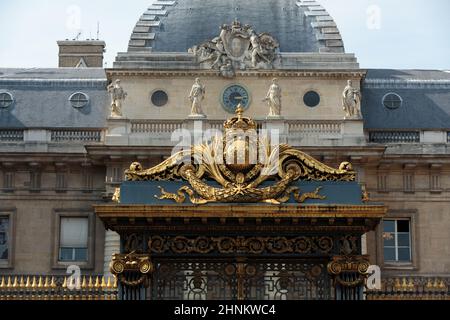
(351, 102)
(273, 99)
(118, 95)
(262, 52)
(197, 96)
(227, 70)
(237, 47)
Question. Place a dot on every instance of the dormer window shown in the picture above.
(6, 99)
(79, 100)
(392, 101)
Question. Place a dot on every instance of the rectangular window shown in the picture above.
(35, 181)
(382, 182)
(73, 244)
(435, 182)
(4, 238)
(8, 181)
(88, 181)
(408, 182)
(61, 182)
(397, 240)
(117, 175)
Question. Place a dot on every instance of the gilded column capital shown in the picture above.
(357, 266)
(132, 263)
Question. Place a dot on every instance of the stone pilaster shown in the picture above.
(112, 246)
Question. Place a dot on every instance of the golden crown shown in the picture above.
(239, 122)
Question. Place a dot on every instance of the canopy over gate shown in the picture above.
(239, 218)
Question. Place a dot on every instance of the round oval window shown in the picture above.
(160, 98)
(392, 101)
(311, 99)
(79, 100)
(6, 99)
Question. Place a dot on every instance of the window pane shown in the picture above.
(403, 226)
(403, 240)
(4, 230)
(404, 255)
(66, 254)
(389, 254)
(74, 232)
(389, 226)
(81, 254)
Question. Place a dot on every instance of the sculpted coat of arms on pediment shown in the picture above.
(237, 47)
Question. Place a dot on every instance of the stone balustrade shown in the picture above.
(57, 288)
(11, 135)
(387, 136)
(76, 136)
(52, 135)
(302, 132)
(314, 128)
(157, 127)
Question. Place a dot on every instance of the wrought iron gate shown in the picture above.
(249, 280)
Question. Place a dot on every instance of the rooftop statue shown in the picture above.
(118, 95)
(351, 101)
(197, 96)
(237, 47)
(273, 99)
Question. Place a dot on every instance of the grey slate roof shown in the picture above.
(176, 26)
(425, 95)
(53, 73)
(41, 98)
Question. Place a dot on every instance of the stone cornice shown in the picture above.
(247, 211)
(340, 74)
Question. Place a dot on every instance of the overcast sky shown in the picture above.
(412, 34)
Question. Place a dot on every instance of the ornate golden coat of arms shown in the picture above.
(241, 167)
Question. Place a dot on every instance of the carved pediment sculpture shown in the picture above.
(238, 47)
(223, 170)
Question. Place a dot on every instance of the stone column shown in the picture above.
(112, 246)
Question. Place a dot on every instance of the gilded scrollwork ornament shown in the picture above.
(241, 245)
(227, 162)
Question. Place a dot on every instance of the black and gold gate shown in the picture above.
(249, 280)
(202, 226)
(323, 263)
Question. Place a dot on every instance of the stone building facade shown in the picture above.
(63, 150)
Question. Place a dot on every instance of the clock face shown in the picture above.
(233, 95)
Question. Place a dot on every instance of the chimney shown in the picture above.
(81, 54)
